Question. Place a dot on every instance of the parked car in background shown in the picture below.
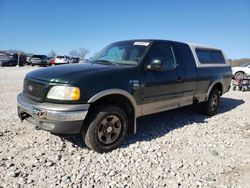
(242, 71)
(84, 61)
(41, 60)
(75, 59)
(62, 59)
(12, 60)
(49, 58)
(28, 58)
(52, 62)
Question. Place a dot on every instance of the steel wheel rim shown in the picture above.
(214, 102)
(109, 129)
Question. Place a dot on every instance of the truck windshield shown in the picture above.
(121, 53)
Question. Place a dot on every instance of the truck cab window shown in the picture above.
(163, 52)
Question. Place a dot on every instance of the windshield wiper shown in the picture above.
(101, 61)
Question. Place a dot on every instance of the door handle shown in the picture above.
(178, 78)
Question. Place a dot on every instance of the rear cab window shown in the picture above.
(210, 56)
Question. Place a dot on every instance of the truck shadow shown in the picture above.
(157, 125)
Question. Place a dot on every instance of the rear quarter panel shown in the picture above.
(209, 76)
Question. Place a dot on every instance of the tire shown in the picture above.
(211, 105)
(239, 75)
(105, 128)
(32, 65)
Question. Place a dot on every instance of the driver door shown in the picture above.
(162, 89)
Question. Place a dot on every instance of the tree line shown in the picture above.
(238, 62)
(81, 53)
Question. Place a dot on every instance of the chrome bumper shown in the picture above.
(57, 118)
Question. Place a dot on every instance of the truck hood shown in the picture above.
(69, 73)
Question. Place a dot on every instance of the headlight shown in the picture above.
(64, 93)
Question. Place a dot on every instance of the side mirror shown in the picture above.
(155, 65)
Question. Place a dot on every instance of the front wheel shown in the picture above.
(211, 105)
(105, 128)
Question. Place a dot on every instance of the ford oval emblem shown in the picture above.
(30, 88)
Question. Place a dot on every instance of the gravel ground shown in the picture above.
(178, 148)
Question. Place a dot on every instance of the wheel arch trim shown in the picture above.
(116, 91)
(238, 72)
(219, 81)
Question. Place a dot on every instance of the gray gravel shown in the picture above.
(179, 148)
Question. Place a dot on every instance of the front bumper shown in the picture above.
(55, 118)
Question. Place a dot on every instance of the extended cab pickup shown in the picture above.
(102, 99)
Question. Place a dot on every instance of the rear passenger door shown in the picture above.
(162, 90)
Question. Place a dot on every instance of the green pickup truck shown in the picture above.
(102, 99)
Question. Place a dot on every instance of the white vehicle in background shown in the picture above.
(241, 72)
(62, 59)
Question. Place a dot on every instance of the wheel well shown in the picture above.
(121, 101)
(219, 87)
(238, 72)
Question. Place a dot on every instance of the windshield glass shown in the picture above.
(121, 53)
(6, 57)
(38, 56)
(60, 57)
(245, 64)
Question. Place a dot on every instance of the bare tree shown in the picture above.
(52, 53)
(238, 62)
(74, 53)
(83, 52)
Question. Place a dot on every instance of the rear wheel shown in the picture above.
(211, 105)
(105, 128)
(239, 75)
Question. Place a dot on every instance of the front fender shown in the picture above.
(119, 92)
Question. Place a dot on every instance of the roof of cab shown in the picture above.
(149, 40)
(153, 40)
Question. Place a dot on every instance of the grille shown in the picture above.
(34, 89)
